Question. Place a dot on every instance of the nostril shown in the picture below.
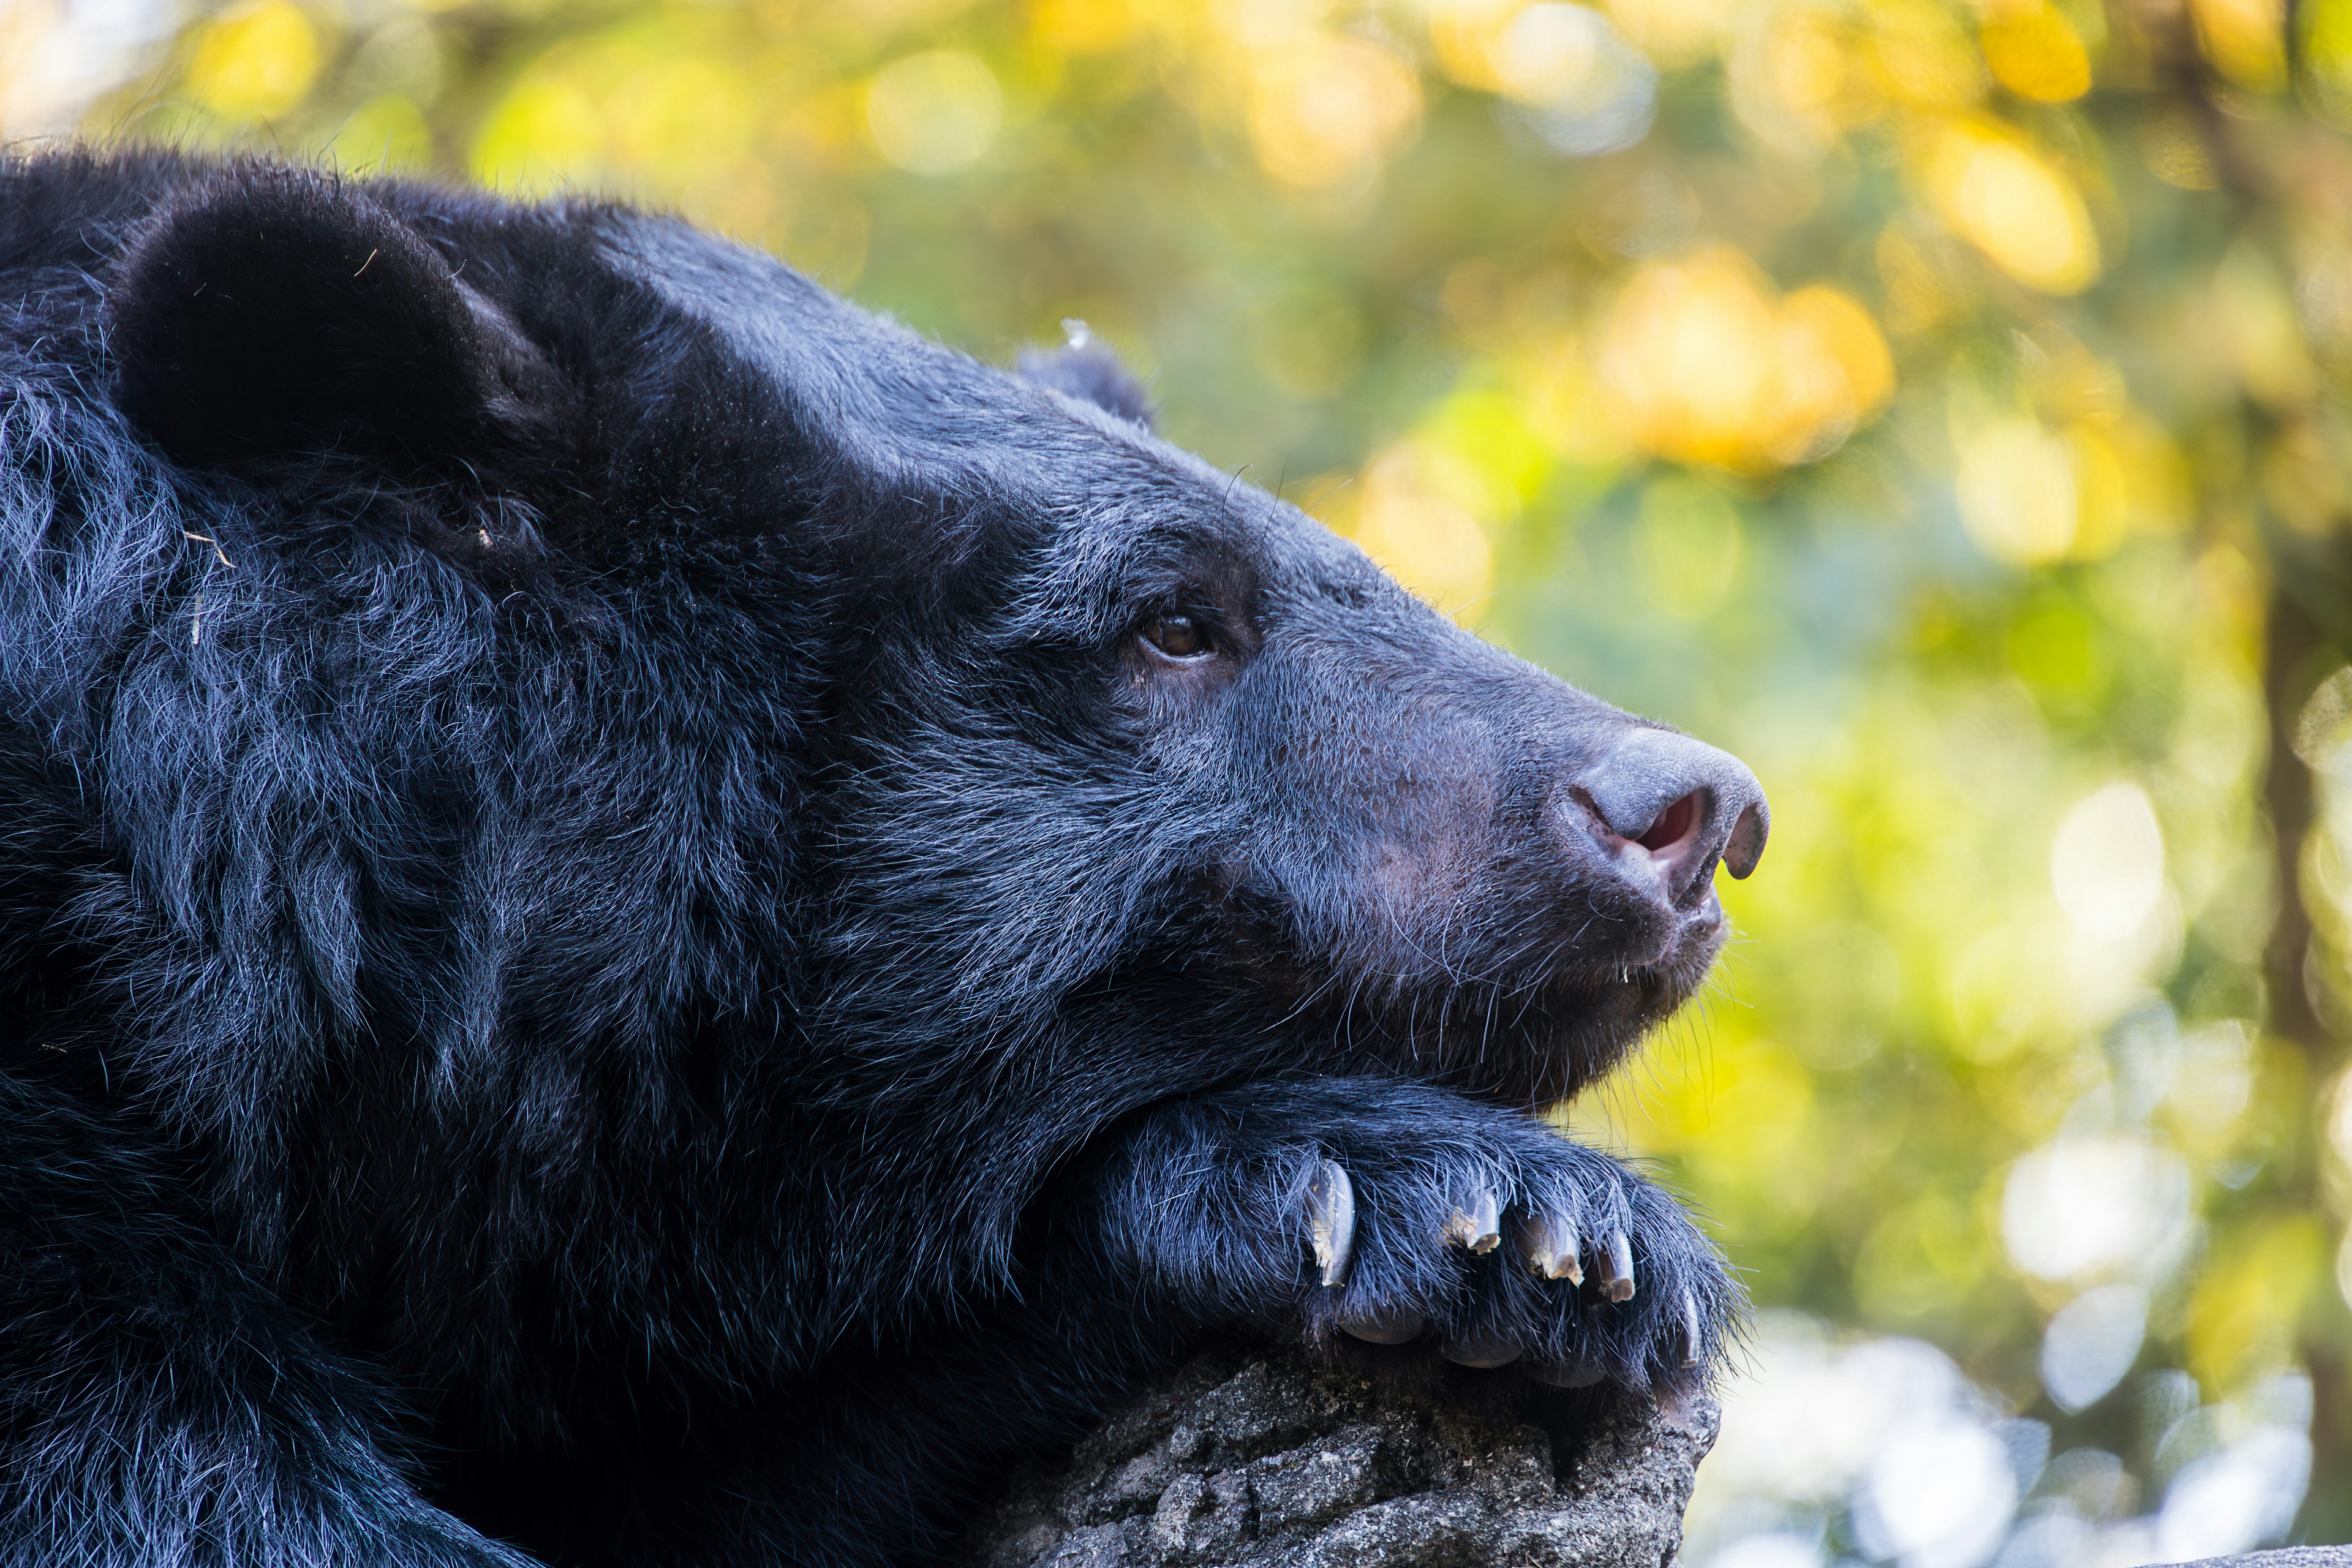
(1671, 826)
(1668, 810)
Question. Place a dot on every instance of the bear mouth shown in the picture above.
(1528, 1040)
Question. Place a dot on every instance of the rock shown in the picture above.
(2287, 1557)
(1358, 1456)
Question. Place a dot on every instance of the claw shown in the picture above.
(1477, 1225)
(1565, 1375)
(1331, 1220)
(1393, 1328)
(1480, 1352)
(1691, 1356)
(1616, 1265)
(1550, 1247)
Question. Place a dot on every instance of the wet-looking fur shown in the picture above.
(644, 919)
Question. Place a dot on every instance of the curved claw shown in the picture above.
(1615, 1264)
(1477, 1224)
(1394, 1327)
(1331, 1220)
(1479, 1352)
(1691, 1341)
(1565, 1375)
(1549, 1246)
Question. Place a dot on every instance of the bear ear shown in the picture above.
(274, 312)
(1085, 368)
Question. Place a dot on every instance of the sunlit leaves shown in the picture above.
(2106, 862)
(2245, 39)
(1708, 365)
(2013, 204)
(1583, 89)
(935, 111)
(386, 133)
(2249, 1303)
(2328, 54)
(1414, 519)
(1685, 545)
(256, 60)
(2033, 50)
(2016, 485)
(1331, 110)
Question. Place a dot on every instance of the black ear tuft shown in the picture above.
(276, 311)
(1085, 369)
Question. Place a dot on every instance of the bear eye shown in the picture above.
(1177, 637)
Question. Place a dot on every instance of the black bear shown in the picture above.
(643, 920)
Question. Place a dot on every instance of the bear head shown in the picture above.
(927, 711)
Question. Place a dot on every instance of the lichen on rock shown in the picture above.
(1357, 1457)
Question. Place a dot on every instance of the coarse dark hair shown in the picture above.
(643, 918)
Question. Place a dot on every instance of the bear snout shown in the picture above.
(1665, 810)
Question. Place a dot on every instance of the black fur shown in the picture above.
(615, 939)
(1085, 370)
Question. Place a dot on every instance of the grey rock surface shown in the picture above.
(2287, 1557)
(1357, 1458)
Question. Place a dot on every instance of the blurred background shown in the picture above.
(1943, 404)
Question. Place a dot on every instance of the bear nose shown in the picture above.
(1675, 806)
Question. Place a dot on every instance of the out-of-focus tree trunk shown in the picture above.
(2307, 627)
(2298, 652)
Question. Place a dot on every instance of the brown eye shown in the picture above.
(1177, 637)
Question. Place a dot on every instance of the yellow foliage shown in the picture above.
(2174, 149)
(2011, 202)
(1808, 76)
(256, 60)
(1674, 33)
(1926, 276)
(2253, 324)
(1084, 27)
(1411, 518)
(1687, 540)
(2030, 495)
(1564, 404)
(1921, 1257)
(386, 133)
(1467, 36)
(1424, 509)
(2103, 498)
(2034, 51)
(1331, 110)
(546, 132)
(1708, 367)
(1924, 60)
(2245, 39)
(934, 112)
(1498, 460)
(1835, 371)
(2247, 1310)
(2326, 27)
(1741, 1110)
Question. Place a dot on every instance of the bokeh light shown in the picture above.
(934, 112)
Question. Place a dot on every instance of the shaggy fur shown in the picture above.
(622, 941)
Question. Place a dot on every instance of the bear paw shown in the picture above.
(1576, 1274)
(1398, 1212)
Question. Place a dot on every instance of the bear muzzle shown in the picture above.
(1665, 810)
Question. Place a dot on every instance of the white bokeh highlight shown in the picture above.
(2084, 1205)
(2091, 1343)
(1884, 1444)
(2106, 862)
